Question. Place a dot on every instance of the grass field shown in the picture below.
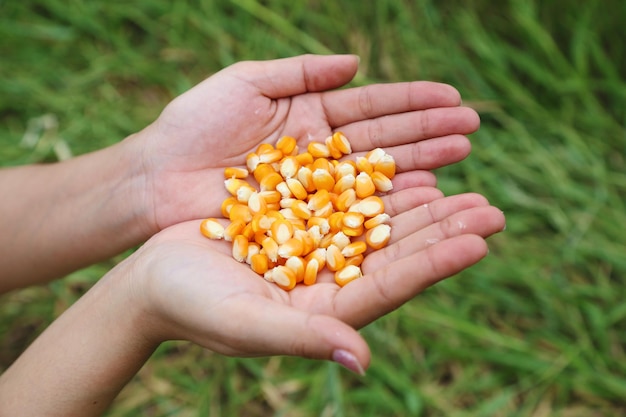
(536, 329)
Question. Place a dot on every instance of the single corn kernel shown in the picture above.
(212, 229)
(340, 239)
(298, 224)
(233, 229)
(347, 182)
(247, 231)
(316, 235)
(334, 151)
(253, 249)
(356, 260)
(283, 190)
(347, 274)
(345, 200)
(386, 165)
(297, 264)
(281, 231)
(353, 220)
(341, 142)
(371, 206)
(264, 147)
(353, 249)
(304, 158)
(289, 167)
(227, 204)
(334, 259)
(284, 277)
(305, 176)
(260, 223)
(353, 231)
(364, 185)
(287, 145)
(381, 182)
(325, 211)
(240, 248)
(319, 200)
(252, 161)
(270, 181)
(259, 263)
(318, 254)
(335, 221)
(321, 222)
(235, 172)
(233, 185)
(344, 168)
(310, 272)
(270, 196)
(326, 241)
(363, 165)
(270, 247)
(382, 218)
(262, 171)
(323, 163)
(323, 180)
(292, 247)
(318, 150)
(375, 155)
(296, 188)
(301, 209)
(378, 236)
(307, 240)
(257, 204)
(270, 156)
(240, 212)
(287, 202)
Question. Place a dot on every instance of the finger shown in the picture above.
(481, 221)
(402, 200)
(410, 127)
(376, 100)
(430, 154)
(384, 290)
(297, 75)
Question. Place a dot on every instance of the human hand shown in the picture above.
(191, 288)
(218, 122)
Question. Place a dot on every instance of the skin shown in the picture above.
(158, 184)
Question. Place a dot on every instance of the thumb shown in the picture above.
(297, 75)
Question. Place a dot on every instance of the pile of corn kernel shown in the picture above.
(309, 210)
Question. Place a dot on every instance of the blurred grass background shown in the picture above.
(536, 329)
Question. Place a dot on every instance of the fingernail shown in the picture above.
(348, 361)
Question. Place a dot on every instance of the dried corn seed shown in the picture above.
(240, 248)
(326, 241)
(253, 249)
(233, 229)
(301, 209)
(347, 274)
(304, 159)
(310, 272)
(264, 147)
(305, 176)
(235, 172)
(375, 155)
(341, 240)
(353, 231)
(345, 200)
(320, 255)
(319, 200)
(325, 211)
(382, 218)
(355, 260)
(270, 181)
(323, 180)
(289, 167)
(233, 185)
(288, 214)
(271, 196)
(281, 231)
(386, 165)
(344, 168)
(296, 188)
(318, 150)
(297, 264)
(371, 206)
(353, 220)
(259, 263)
(292, 247)
(212, 229)
(353, 249)
(252, 161)
(316, 235)
(381, 182)
(334, 259)
(270, 247)
(332, 148)
(287, 144)
(307, 240)
(247, 231)
(287, 202)
(270, 157)
(335, 221)
(241, 212)
(323, 163)
(283, 190)
(378, 236)
(363, 165)
(341, 142)
(344, 183)
(322, 222)
(227, 204)
(284, 277)
(262, 171)
(364, 185)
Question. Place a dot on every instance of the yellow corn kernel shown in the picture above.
(298, 224)
(382, 218)
(375, 155)
(318, 254)
(364, 185)
(334, 259)
(347, 274)
(321, 222)
(296, 188)
(284, 277)
(341, 142)
(297, 264)
(244, 193)
(355, 260)
(371, 206)
(259, 237)
(334, 152)
(344, 183)
(270, 248)
(386, 165)
(354, 248)
(264, 147)
(270, 181)
(381, 182)
(363, 165)
(378, 236)
(344, 168)
(353, 231)
(227, 204)
(340, 239)
(318, 150)
(305, 176)
(316, 235)
(235, 172)
(233, 229)
(323, 180)
(287, 145)
(288, 214)
(323, 163)
(252, 161)
(232, 185)
(353, 220)
(274, 215)
(300, 209)
(318, 200)
(270, 196)
(247, 231)
(240, 248)
(289, 167)
(281, 231)
(260, 223)
(287, 202)
(304, 159)
(326, 241)
(345, 200)
(259, 263)
(325, 211)
(335, 221)
(241, 212)
(262, 171)
(270, 156)
(212, 229)
(253, 249)
(292, 247)
(283, 190)
(310, 272)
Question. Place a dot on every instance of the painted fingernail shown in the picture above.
(348, 361)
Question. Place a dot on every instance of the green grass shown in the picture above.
(536, 329)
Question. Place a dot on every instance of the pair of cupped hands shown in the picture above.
(190, 287)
